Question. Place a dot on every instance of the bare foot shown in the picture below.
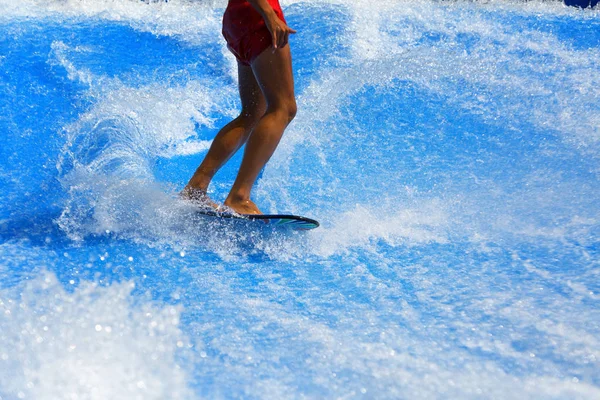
(242, 206)
(198, 196)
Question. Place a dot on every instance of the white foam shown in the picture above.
(107, 163)
(364, 227)
(188, 20)
(90, 342)
(110, 152)
(436, 66)
(356, 331)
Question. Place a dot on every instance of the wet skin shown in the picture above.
(268, 105)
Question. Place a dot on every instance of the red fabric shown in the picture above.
(245, 31)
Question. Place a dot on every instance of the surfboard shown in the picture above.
(286, 221)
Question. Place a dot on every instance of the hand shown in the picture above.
(279, 30)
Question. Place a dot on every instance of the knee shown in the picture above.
(292, 109)
(286, 110)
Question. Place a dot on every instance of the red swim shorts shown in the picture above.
(245, 31)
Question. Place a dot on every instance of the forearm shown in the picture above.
(264, 8)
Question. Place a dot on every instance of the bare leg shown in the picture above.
(273, 72)
(230, 138)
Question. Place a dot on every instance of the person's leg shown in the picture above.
(273, 71)
(231, 137)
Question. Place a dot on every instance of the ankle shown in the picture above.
(192, 190)
(237, 197)
(198, 184)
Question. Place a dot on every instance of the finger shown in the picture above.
(274, 37)
(285, 39)
(277, 39)
(291, 30)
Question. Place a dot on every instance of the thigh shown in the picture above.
(253, 100)
(273, 72)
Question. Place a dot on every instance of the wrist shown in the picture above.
(270, 16)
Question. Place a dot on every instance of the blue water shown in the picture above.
(451, 151)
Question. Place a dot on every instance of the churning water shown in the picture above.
(451, 151)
